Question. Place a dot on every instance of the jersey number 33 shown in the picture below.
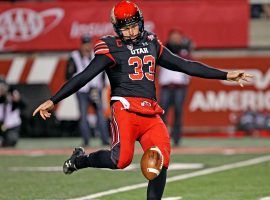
(148, 61)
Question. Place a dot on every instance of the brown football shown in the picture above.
(151, 163)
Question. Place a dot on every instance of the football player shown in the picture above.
(130, 60)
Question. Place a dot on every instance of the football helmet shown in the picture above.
(126, 13)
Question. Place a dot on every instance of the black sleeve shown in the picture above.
(70, 68)
(173, 62)
(97, 65)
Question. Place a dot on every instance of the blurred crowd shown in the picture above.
(174, 85)
(173, 92)
(258, 11)
(251, 122)
(11, 105)
(90, 94)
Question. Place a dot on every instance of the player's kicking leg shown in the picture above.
(98, 159)
(69, 165)
(121, 153)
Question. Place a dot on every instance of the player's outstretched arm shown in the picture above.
(173, 62)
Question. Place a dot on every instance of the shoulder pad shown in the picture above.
(101, 47)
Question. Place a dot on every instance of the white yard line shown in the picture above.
(226, 167)
(132, 167)
(265, 198)
(172, 198)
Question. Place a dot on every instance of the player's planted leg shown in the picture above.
(156, 187)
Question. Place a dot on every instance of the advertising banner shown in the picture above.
(210, 103)
(43, 26)
(219, 103)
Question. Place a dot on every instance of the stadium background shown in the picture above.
(35, 40)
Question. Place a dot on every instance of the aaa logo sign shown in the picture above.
(23, 24)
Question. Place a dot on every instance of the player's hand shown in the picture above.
(239, 77)
(44, 109)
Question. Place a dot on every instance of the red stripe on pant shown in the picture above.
(112, 134)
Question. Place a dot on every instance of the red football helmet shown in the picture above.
(126, 13)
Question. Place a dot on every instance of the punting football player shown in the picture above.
(130, 60)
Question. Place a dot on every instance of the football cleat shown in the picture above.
(69, 165)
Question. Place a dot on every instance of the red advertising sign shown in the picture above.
(29, 26)
(210, 103)
(216, 103)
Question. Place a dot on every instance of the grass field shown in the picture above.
(214, 175)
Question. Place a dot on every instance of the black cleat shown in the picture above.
(69, 165)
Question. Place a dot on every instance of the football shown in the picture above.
(151, 163)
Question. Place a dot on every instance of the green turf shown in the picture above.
(44, 143)
(248, 183)
(56, 185)
(237, 184)
(226, 142)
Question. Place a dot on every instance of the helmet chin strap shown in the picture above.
(128, 40)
